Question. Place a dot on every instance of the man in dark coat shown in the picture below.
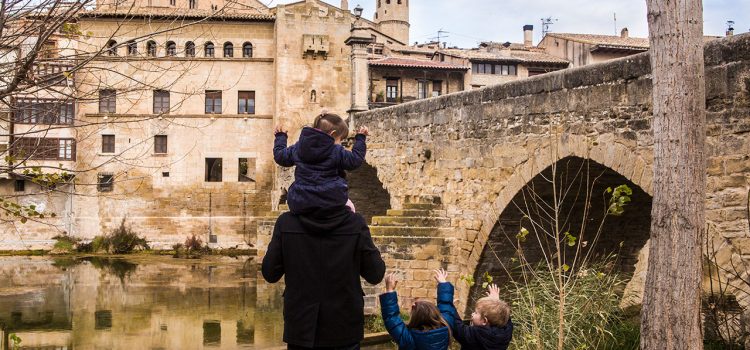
(322, 256)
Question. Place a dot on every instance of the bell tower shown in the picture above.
(392, 18)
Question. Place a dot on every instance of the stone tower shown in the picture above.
(392, 18)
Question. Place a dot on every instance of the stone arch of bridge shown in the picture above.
(618, 157)
(367, 192)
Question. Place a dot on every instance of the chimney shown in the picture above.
(345, 5)
(624, 32)
(528, 35)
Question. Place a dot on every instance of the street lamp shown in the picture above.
(358, 11)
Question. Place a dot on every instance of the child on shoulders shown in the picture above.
(320, 160)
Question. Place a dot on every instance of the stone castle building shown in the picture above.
(172, 122)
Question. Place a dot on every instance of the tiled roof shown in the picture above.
(605, 40)
(222, 14)
(529, 55)
(411, 63)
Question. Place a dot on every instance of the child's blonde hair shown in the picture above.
(328, 123)
(497, 312)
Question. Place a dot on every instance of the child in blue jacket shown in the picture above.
(491, 326)
(320, 160)
(427, 329)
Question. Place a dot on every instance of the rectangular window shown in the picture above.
(107, 101)
(160, 144)
(44, 148)
(191, 3)
(105, 182)
(43, 111)
(247, 170)
(501, 69)
(20, 186)
(213, 169)
(421, 89)
(246, 102)
(48, 50)
(161, 102)
(108, 143)
(213, 102)
(437, 88)
(66, 149)
(391, 90)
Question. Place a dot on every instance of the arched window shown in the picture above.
(111, 48)
(171, 48)
(208, 49)
(132, 48)
(228, 49)
(190, 49)
(247, 50)
(151, 48)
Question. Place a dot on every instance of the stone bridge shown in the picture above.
(457, 171)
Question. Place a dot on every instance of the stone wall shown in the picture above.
(476, 150)
(367, 192)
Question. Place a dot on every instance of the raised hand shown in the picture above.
(391, 282)
(279, 129)
(441, 276)
(493, 291)
(364, 131)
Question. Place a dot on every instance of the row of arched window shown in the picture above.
(171, 49)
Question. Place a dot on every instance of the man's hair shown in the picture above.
(327, 122)
(497, 312)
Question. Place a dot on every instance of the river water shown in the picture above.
(143, 302)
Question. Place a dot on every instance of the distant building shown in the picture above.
(584, 49)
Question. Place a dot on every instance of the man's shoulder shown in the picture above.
(290, 222)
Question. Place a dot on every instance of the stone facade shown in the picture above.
(476, 150)
(191, 169)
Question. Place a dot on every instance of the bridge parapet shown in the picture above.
(475, 150)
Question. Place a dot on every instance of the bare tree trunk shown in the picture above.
(671, 305)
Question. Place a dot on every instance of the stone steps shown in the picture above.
(421, 206)
(416, 212)
(402, 231)
(424, 221)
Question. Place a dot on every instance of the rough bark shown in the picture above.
(671, 305)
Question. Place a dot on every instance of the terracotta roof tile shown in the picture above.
(604, 40)
(412, 63)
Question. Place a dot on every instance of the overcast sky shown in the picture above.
(471, 21)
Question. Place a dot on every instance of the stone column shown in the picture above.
(358, 40)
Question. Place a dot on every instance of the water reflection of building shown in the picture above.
(116, 304)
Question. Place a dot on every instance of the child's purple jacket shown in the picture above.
(319, 162)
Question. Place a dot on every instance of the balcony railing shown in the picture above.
(51, 74)
(46, 111)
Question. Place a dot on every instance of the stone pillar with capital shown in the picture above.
(359, 40)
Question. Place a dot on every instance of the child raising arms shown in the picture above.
(320, 160)
(491, 326)
(427, 329)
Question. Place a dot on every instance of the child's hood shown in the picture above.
(314, 146)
